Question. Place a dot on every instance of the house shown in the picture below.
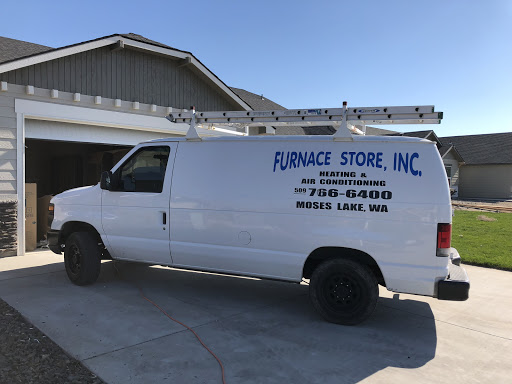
(451, 157)
(487, 169)
(68, 113)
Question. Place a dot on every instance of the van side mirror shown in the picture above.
(106, 180)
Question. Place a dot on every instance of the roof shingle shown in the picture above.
(11, 49)
(257, 102)
(493, 148)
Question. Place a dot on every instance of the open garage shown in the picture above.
(56, 166)
(52, 167)
(67, 114)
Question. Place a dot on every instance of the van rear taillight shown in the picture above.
(444, 235)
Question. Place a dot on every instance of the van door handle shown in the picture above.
(164, 218)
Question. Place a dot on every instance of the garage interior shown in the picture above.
(56, 166)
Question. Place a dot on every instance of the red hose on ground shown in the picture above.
(179, 322)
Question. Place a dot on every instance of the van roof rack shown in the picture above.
(348, 120)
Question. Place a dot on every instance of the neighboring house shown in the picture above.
(452, 159)
(487, 169)
(453, 162)
(68, 113)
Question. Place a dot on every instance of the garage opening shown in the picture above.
(56, 166)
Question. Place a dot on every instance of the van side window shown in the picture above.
(144, 171)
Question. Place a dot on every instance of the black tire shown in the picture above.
(82, 258)
(343, 291)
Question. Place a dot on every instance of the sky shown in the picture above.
(454, 54)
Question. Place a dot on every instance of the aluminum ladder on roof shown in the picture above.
(346, 118)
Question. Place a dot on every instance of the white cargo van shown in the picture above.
(347, 215)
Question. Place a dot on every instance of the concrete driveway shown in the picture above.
(262, 331)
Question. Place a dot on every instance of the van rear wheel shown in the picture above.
(82, 258)
(343, 291)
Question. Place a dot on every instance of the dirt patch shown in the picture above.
(485, 218)
(485, 206)
(28, 356)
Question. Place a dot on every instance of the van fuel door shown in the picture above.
(244, 238)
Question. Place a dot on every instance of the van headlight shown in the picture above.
(51, 214)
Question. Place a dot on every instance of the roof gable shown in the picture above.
(445, 150)
(131, 40)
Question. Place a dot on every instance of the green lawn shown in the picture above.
(485, 243)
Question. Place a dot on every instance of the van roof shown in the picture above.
(301, 138)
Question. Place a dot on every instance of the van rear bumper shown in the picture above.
(456, 286)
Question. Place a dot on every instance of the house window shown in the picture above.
(448, 169)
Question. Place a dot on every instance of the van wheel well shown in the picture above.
(79, 226)
(319, 255)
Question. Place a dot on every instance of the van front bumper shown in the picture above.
(455, 287)
(53, 241)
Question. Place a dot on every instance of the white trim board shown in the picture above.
(80, 133)
(40, 110)
(20, 181)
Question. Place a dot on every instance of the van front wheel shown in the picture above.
(82, 258)
(343, 291)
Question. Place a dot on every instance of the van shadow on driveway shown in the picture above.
(262, 331)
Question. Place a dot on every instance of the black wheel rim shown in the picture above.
(75, 259)
(342, 293)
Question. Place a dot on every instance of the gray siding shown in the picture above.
(127, 75)
(486, 181)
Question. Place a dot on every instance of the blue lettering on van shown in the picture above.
(362, 159)
(289, 160)
(404, 162)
